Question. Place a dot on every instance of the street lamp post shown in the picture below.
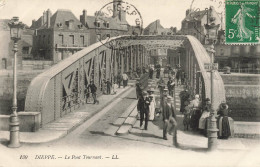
(212, 130)
(15, 33)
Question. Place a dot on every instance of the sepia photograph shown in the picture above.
(129, 83)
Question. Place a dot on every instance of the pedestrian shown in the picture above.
(138, 90)
(204, 116)
(93, 90)
(143, 109)
(195, 107)
(86, 92)
(169, 119)
(171, 86)
(182, 77)
(178, 75)
(104, 86)
(187, 115)
(109, 85)
(223, 122)
(125, 79)
(151, 69)
(184, 96)
(114, 88)
(119, 79)
(152, 104)
(139, 72)
(158, 71)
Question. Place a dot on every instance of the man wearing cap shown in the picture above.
(169, 119)
(143, 108)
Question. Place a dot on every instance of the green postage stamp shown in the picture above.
(242, 22)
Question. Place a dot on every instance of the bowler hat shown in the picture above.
(207, 99)
(223, 106)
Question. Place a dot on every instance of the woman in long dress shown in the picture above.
(224, 122)
(195, 106)
(152, 104)
(203, 119)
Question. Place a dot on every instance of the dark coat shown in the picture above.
(92, 88)
(143, 104)
(168, 111)
(170, 85)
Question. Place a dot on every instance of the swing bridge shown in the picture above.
(61, 89)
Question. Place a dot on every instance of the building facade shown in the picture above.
(58, 36)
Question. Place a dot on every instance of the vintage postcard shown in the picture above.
(129, 83)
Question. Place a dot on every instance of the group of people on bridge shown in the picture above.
(196, 111)
(106, 88)
(197, 115)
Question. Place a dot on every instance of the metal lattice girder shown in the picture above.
(45, 89)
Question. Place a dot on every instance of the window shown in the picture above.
(107, 24)
(61, 39)
(71, 38)
(43, 39)
(98, 37)
(108, 35)
(97, 24)
(59, 25)
(80, 26)
(82, 40)
(25, 50)
(49, 39)
(39, 38)
(221, 52)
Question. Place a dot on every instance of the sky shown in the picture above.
(169, 12)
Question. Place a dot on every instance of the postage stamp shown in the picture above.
(242, 22)
(117, 18)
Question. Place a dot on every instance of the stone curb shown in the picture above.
(130, 120)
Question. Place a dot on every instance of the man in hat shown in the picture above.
(138, 90)
(143, 108)
(170, 85)
(169, 119)
(93, 90)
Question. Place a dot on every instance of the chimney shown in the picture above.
(114, 8)
(33, 22)
(48, 14)
(83, 17)
(43, 18)
(187, 12)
